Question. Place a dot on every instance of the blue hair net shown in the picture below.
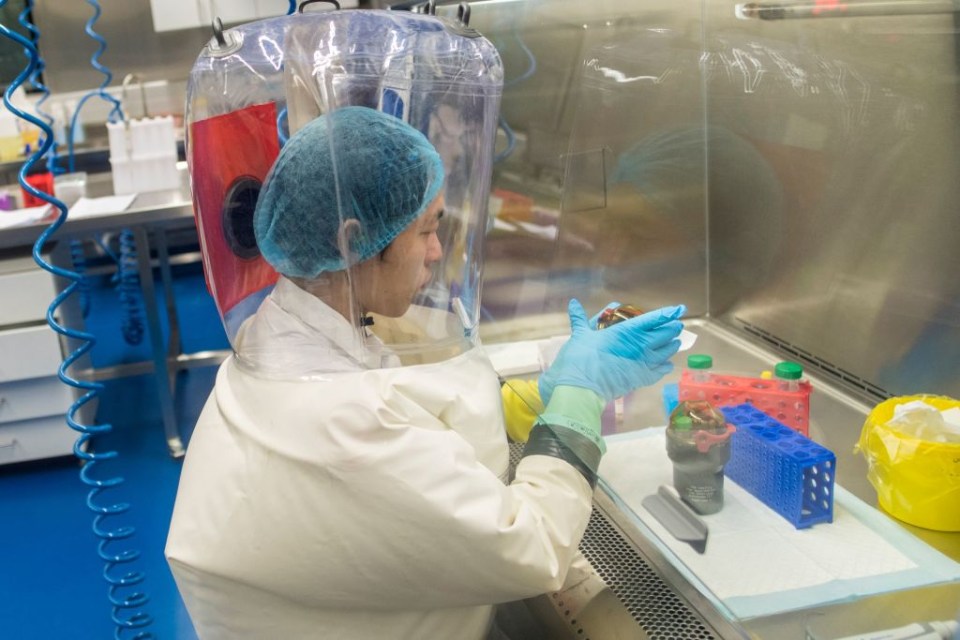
(386, 172)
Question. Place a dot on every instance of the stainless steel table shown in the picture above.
(151, 217)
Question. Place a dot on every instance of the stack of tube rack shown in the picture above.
(785, 470)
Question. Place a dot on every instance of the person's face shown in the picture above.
(388, 283)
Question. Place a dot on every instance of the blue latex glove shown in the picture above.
(614, 361)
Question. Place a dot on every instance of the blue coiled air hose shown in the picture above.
(116, 112)
(127, 278)
(126, 622)
(36, 79)
(79, 259)
(127, 282)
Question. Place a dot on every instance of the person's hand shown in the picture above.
(614, 361)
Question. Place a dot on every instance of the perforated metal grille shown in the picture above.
(862, 387)
(657, 608)
(516, 452)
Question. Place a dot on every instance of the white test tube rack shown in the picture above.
(143, 155)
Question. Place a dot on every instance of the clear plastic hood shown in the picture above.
(347, 156)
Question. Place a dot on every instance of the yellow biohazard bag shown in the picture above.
(917, 479)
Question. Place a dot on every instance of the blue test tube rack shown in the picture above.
(784, 469)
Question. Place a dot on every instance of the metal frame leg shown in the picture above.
(161, 369)
(174, 347)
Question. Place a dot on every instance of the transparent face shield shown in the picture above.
(365, 232)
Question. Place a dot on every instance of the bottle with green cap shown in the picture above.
(788, 375)
(700, 365)
(698, 444)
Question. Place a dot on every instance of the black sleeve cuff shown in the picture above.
(567, 445)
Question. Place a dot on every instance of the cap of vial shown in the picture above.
(699, 361)
(788, 370)
(682, 423)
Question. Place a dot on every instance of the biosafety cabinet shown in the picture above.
(789, 172)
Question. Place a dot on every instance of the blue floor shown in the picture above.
(51, 577)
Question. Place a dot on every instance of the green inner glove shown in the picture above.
(569, 429)
(576, 409)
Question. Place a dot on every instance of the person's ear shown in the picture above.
(348, 236)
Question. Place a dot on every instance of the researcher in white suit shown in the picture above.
(332, 489)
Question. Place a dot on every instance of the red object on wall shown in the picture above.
(230, 156)
(40, 182)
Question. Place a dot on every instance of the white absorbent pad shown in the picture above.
(756, 562)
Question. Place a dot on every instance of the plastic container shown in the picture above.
(613, 315)
(143, 155)
(29, 137)
(699, 366)
(11, 144)
(785, 470)
(698, 444)
(70, 187)
(917, 480)
(788, 375)
(41, 182)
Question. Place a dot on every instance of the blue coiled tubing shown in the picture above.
(116, 111)
(126, 602)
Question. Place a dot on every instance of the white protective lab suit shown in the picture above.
(369, 504)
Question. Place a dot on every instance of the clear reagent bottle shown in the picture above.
(700, 365)
(698, 444)
(788, 375)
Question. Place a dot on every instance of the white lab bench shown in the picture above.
(27, 292)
